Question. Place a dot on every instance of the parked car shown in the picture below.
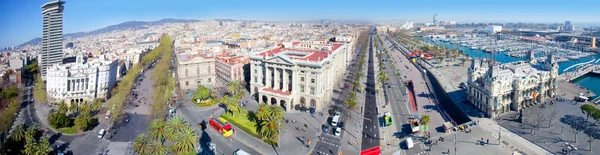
(338, 131)
(211, 146)
(101, 133)
(325, 127)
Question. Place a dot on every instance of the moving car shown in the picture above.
(240, 152)
(211, 146)
(409, 143)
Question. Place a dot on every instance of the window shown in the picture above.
(312, 90)
(301, 71)
(198, 71)
(187, 83)
(255, 79)
(312, 80)
(208, 72)
(199, 82)
(186, 72)
(209, 81)
(255, 71)
(302, 88)
(302, 79)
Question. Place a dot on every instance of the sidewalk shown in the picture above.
(351, 142)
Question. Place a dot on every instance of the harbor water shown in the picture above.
(589, 81)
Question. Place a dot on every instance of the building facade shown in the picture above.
(298, 76)
(52, 41)
(81, 81)
(499, 88)
(230, 68)
(194, 69)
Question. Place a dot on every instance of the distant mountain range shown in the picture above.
(121, 26)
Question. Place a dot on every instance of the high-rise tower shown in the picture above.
(435, 18)
(52, 34)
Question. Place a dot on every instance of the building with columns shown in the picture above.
(82, 80)
(298, 74)
(498, 88)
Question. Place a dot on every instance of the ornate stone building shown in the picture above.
(298, 74)
(498, 88)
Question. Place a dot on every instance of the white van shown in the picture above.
(101, 133)
(334, 120)
(409, 143)
(240, 152)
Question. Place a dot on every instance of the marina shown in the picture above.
(569, 60)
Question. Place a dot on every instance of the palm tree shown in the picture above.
(141, 144)
(43, 146)
(351, 103)
(268, 129)
(31, 133)
(276, 113)
(73, 107)
(263, 112)
(398, 74)
(382, 77)
(30, 147)
(18, 133)
(174, 127)
(234, 87)
(158, 129)
(62, 107)
(157, 148)
(454, 56)
(232, 104)
(463, 61)
(188, 141)
(425, 120)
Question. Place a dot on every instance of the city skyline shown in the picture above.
(23, 18)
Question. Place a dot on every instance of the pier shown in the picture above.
(580, 70)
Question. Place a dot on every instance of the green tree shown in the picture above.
(73, 107)
(463, 61)
(351, 103)
(276, 114)
(425, 120)
(268, 129)
(454, 56)
(85, 121)
(43, 146)
(187, 142)
(588, 110)
(18, 134)
(157, 147)
(59, 120)
(235, 87)
(30, 148)
(39, 93)
(157, 129)
(382, 77)
(62, 107)
(232, 104)
(263, 112)
(141, 144)
(174, 127)
(202, 93)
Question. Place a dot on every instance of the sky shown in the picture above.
(21, 20)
